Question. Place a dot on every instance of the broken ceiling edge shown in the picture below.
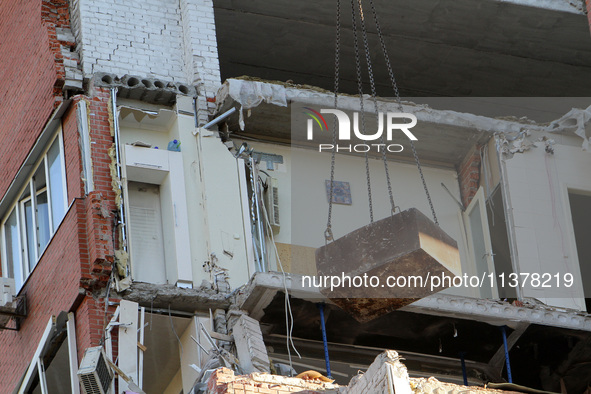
(249, 93)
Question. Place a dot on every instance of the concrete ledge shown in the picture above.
(151, 90)
(180, 299)
(500, 312)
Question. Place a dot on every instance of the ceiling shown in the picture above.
(437, 48)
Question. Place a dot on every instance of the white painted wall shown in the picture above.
(538, 185)
(304, 203)
(200, 195)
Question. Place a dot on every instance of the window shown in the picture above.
(581, 217)
(35, 216)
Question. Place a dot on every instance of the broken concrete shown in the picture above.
(250, 346)
(150, 90)
(387, 374)
(176, 298)
(383, 375)
(224, 381)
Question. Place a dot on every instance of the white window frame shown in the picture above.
(480, 201)
(18, 205)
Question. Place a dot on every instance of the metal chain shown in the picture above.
(414, 152)
(328, 232)
(360, 88)
(374, 96)
(397, 93)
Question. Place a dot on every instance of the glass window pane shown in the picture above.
(42, 222)
(13, 251)
(56, 183)
(30, 233)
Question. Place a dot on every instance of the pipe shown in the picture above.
(507, 362)
(220, 118)
(462, 208)
(464, 372)
(509, 220)
(118, 159)
(259, 217)
(323, 327)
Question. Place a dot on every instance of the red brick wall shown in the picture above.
(29, 74)
(76, 262)
(72, 156)
(469, 175)
(100, 128)
(51, 288)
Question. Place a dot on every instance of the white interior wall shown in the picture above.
(304, 203)
(207, 198)
(538, 185)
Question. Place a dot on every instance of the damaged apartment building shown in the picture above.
(160, 213)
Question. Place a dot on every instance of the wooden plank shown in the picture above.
(109, 342)
(128, 360)
(142, 348)
(221, 337)
(497, 361)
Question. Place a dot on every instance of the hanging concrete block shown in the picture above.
(407, 245)
(250, 346)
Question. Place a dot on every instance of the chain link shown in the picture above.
(374, 96)
(398, 100)
(328, 232)
(361, 104)
(414, 152)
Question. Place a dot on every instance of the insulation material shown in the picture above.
(111, 119)
(115, 181)
(121, 258)
(250, 94)
(576, 121)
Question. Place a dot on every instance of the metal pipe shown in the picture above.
(260, 222)
(509, 220)
(257, 222)
(464, 372)
(454, 198)
(118, 159)
(323, 327)
(507, 362)
(220, 118)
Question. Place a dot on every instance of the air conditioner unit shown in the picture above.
(8, 290)
(272, 203)
(94, 373)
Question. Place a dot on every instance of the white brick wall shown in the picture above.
(164, 39)
(200, 45)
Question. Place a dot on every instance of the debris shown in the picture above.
(223, 380)
(250, 347)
